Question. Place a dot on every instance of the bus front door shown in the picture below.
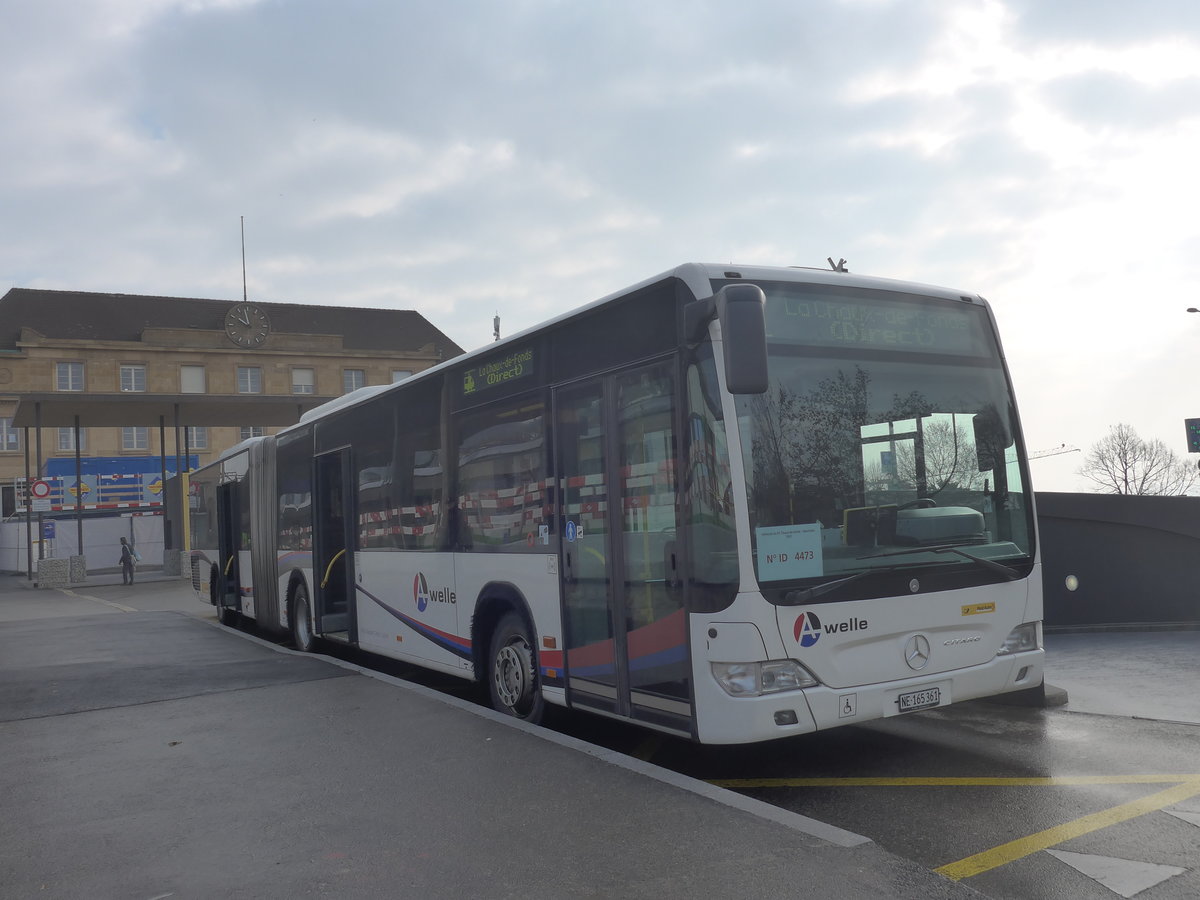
(229, 582)
(333, 548)
(623, 612)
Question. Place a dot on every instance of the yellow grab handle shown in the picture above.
(329, 568)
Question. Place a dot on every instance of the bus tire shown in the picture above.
(299, 618)
(512, 671)
(225, 616)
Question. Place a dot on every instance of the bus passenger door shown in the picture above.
(591, 641)
(624, 618)
(334, 535)
(229, 583)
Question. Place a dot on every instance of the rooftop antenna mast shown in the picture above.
(496, 327)
(243, 218)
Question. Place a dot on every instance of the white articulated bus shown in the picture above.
(732, 504)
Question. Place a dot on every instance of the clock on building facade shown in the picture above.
(247, 325)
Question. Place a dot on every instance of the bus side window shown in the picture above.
(417, 510)
(502, 472)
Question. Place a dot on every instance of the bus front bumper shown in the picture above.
(735, 720)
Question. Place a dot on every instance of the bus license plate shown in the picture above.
(915, 700)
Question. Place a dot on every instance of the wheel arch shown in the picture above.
(495, 599)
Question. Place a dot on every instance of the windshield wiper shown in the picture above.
(1009, 573)
(798, 598)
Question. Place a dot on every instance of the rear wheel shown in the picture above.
(225, 615)
(512, 672)
(301, 622)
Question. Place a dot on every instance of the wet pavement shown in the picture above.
(1141, 674)
(154, 754)
(150, 753)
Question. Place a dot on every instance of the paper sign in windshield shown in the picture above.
(789, 551)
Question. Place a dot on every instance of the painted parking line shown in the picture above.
(1014, 850)
(120, 606)
(1184, 787)
(952, 781)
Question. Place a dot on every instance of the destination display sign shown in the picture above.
(876, 320)
(518, 365)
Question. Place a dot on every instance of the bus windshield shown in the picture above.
(887, 441)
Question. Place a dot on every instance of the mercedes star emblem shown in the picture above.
(916, 652)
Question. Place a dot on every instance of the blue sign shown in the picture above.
(48, 530)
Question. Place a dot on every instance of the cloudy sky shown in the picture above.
(524, 157)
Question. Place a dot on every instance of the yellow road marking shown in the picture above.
(1013, 850)
(1048, 781)
(1186, 786)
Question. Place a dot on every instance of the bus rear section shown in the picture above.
(232, 532)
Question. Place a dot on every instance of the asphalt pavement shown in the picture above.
(149, 753)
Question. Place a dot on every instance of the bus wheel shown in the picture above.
(298, 615)
(512, 676)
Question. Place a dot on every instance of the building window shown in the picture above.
(10, 438)
(66, 439)
(400, 374)
(251, 431)
(68, 376)
(353, 379)
(133, 379)
(191, 380)
(197, 438)
(135, 437)
(249, 380)
(304, 381)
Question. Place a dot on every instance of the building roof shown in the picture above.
(88, 316)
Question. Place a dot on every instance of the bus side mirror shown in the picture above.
(741, 310)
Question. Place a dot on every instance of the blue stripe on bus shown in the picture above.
(458, 646)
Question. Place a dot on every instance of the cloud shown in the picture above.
(526, 157)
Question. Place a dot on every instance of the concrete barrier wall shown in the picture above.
(1137, 559)
(101, 541)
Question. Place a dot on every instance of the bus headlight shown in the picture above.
(753, 679)
(1022, 638)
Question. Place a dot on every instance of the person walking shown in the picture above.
(126, 563)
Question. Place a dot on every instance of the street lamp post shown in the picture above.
(1193, 425)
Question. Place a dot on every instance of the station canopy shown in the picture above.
(60, 409)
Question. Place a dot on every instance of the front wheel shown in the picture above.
(512, 671)
(298, 615)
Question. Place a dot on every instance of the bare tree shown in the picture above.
(949, 455)
(1123, 463)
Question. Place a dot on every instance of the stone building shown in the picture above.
(149, 383)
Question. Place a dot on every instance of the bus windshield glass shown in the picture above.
(887, 442)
